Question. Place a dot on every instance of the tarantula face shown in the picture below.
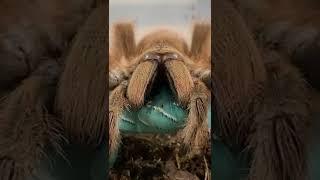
(160, 65)
(161, 58)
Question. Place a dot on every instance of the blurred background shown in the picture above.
(148, 15)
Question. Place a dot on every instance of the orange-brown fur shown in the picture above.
(134, 74)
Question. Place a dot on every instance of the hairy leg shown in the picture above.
(117, 104)
(196, 132)
(122, 50)
(279, 137)
(201, 53)
(82, 91)
(27, 126)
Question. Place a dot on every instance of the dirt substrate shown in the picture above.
(155, 157)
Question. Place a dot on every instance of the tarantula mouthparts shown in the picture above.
(161, 58)
(159, 72)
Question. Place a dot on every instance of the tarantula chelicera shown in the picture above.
(161, 58)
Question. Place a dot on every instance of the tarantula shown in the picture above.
(161, 58)
(260, 99)
(289, 27)
(26, 41)
(35, 115)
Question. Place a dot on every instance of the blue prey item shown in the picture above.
(161, 115)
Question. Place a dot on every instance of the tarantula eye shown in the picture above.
(152, 56)
(170, 56)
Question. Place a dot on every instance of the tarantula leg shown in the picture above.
(279, 131)
(117, 104)
(201, 42)
(196, 132)
(204, 74)
(115, 78)
(279, 149)
(27, 127)
(201, 53)
(124, 41)
(82, 92)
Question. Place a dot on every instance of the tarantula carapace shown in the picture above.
(161, 58)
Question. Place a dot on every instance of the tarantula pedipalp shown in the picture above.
(161, 58)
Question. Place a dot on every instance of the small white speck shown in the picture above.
(162, 111)
(128, 120)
